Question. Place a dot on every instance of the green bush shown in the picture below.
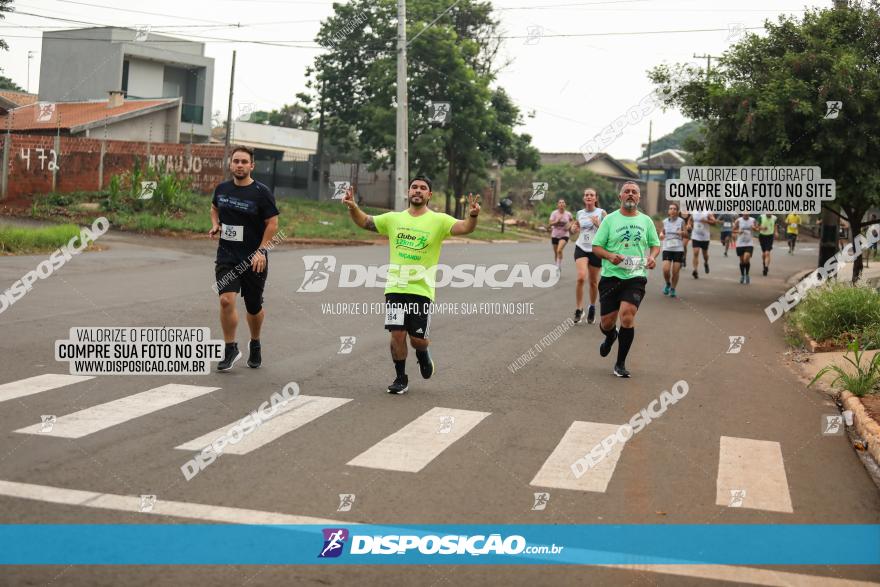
(861, 380)
(839, 313)
(14, 239)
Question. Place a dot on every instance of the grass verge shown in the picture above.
(20, 240)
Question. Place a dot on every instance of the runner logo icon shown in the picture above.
(318, 270)
(334, 542)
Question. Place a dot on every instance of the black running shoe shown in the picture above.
(766, 269)
(591, 315)
(606, 345)
(400, 386)
(706, 267)
(577, 315)
(230, 356)
(426, 365)
(695, 274)
(255, 358)
(620, 370)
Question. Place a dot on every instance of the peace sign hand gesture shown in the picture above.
(473, 205)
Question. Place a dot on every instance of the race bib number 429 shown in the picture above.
(231, 232)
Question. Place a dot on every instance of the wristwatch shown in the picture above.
(264, 251)
(474, 215)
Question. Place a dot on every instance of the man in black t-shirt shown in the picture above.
(243, 213)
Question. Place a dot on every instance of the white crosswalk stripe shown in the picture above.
(107, 415)
(294, 414)
(751, 474)
(38, 384)
(411, 448)
(578, 441)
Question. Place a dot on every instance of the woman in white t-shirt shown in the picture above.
(672, 235)
(742, 232)
(585, 226)
(699, 224)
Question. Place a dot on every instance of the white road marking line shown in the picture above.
(745, 575)
(40, 383)
(578, 441)
(418, 443)
(103, 416)
(230, 515)
(130, 503)
(751, 474)
(296, 413)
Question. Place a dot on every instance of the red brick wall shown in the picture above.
(33, 158)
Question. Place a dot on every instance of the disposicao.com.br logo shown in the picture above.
(431, 544)
(320, 268)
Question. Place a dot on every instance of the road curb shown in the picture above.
(864, 424)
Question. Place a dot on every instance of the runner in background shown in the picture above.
(700, 235)
(792, 221)
(742, 231)
(686, 237)
(726, 230)
(585, 260)
(673, 251)
(766, 232)
(560, 222)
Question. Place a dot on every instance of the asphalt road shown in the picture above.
(747, 422)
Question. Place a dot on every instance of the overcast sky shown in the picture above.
(575, 85)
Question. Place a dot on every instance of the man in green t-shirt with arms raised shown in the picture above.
(415, 236)
(627, 243)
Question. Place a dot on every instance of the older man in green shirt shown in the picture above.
(628, 244)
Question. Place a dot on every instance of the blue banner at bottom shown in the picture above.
(217, 544)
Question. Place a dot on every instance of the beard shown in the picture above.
(629, 204)
(417, 204)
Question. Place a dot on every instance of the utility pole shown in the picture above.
(320, 157)
(229, 117)
(401, 165)
(648, 160)
(30, 56)
(229, 109)
(708, 59)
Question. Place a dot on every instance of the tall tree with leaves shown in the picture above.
(765, 103)
(452, 60)
(5, 82)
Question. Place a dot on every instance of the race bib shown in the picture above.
(793, 225)
(587, 237)
(673, 241)
(394, 316)
(727, 225)
(230, 232)
(633, 264)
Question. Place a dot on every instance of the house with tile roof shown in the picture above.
(116, 118)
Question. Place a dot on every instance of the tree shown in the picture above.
(5, 6)
(765, 103)
(564, 181)
(290, 115)
(677, 139)
(450, 61)
(7, 84)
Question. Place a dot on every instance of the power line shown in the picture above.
(104, 6)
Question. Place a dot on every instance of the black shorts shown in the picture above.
(740, 250)
(593, 258)
(674, 256)
(766, 241)
(555, 239)
(408, 312)
(613, 290)
(700, 244)
(232, 279)
(725, 234)
(792, 238)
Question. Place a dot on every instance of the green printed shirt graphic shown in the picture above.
(413, 241)
(630, 236)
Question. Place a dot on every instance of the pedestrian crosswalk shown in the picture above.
(750, 474)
